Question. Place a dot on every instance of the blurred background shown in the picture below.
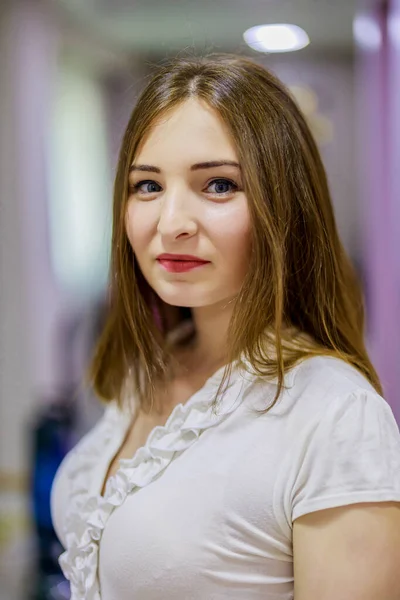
(70, 73)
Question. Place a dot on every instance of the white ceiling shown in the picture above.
(162, 26)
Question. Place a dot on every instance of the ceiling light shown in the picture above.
(367, 33)
(276, 38)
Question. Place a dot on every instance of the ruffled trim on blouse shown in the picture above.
(88, 514)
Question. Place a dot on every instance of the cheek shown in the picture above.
(232, 234)
(138, 226)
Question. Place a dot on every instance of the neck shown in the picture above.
(211, 326)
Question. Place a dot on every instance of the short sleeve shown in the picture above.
(348, 454)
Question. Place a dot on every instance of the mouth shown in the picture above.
(181, 257)
(175, 263)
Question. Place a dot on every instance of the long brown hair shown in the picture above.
(300, 286)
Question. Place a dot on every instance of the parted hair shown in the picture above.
(300, 297)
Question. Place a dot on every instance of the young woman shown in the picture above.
(246, 451)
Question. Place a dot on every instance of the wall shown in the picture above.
(331, 78)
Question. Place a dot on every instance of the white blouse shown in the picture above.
(205, 509)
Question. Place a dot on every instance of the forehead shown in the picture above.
(192, 130)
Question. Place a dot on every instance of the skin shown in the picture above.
(348, 553)
(188, 210)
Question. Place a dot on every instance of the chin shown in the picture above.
(184, 302)
(188, 299)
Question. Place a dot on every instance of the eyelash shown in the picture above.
(133, 189)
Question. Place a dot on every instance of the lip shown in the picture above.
(180, 263)
(181, 258)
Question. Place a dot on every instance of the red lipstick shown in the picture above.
(180, 263)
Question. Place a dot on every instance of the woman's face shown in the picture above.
(184, 201)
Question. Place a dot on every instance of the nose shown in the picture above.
(176, 218)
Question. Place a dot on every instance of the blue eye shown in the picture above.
(150, 187)
(223, 186)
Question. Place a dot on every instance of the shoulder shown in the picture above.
(316, 384)
(328, 370)
(329, 402)
(317, 389)
(342, 443)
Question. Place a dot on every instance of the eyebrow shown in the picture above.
(211, 164)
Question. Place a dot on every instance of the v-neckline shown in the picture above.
(88, 513)
(101, 478)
